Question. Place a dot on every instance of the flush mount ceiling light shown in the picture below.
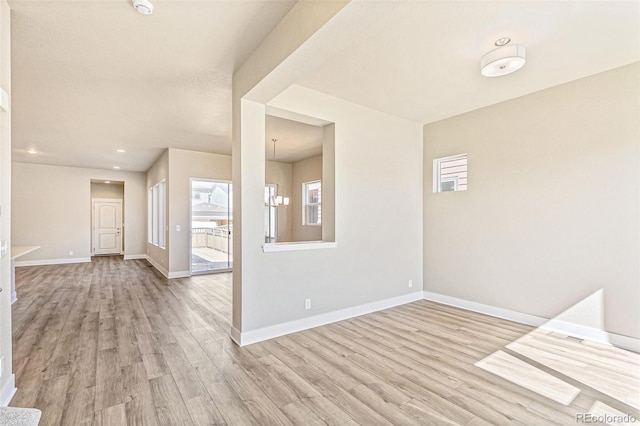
(120, 150)
(32, 151)
(503, 60)
(143, 7)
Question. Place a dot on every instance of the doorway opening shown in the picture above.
(211, 226)
(107, 218)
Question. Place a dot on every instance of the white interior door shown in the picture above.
(107, 226)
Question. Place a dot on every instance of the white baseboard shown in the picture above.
(235, 335)
(156, 265)
(266, 333)
(625, 342)
(492, 311)
(52, 261)
(163, 271)
(593, 334)
(576, 330)
(179, 274)
(8, 390)
(134, 256)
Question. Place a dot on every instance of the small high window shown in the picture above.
(450, 173)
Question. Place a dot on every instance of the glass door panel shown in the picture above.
(211, 226)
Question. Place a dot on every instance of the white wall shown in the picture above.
(184, 165)
(298, 44)
(52, 208)
(107, 190)
(306, 170)
(552, 210)
(7, 380)
(378, 217)
(177, 167)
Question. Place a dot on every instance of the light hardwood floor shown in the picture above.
(113, 342)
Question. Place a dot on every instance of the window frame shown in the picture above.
(154, 214)
(150, 216)
(306, 204)
(162, 214)
(157, 214)
(271, 213)
(438, 180)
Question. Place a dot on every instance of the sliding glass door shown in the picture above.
(211, 226)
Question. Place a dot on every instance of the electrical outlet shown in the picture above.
(307, 303)
(410, 283)
(178, 228)
(70, 252)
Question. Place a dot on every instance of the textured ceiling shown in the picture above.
(295, 141)
(423, 63)
(90, 77)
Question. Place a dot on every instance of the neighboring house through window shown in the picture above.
(450, 173)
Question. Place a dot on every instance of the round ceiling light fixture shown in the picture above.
(503, 60)
(143, 7)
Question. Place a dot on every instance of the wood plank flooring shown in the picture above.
(612, 371)
(524, 374)
(113, 342)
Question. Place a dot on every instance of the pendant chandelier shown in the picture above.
(278, 200)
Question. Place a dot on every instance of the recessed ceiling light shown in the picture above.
(32, 151)
(120, 150)
(107, 181)
(116, 167)
(502, 41)
(144, 7)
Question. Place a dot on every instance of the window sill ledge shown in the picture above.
(297, 246)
